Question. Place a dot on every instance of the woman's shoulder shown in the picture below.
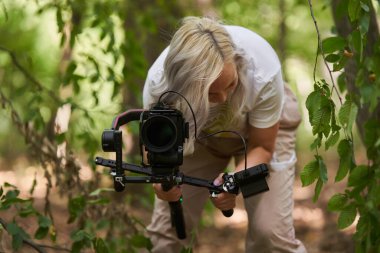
(261, 57)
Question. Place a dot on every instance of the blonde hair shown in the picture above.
(196, 57)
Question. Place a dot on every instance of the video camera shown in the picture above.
(162, 134)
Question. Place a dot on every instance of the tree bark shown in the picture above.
(344, 28)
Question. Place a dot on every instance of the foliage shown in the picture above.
(355, 56)
(87, 57)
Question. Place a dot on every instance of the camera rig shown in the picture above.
(163, 131)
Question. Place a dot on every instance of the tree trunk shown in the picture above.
(344, 28)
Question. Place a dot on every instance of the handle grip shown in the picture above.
(178, 221)
(176, 214)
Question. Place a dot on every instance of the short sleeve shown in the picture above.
(154, 78)
(267, 108)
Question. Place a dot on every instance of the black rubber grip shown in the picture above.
(176, 214)
(178, 221)
(228, 213)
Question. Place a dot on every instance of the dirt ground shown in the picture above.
(315, 226)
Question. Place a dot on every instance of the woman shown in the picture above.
(232, 79)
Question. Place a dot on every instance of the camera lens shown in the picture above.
(159, 133)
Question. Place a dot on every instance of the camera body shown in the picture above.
(162, 134)
(163, 131)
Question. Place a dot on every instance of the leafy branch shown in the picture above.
(359, 73)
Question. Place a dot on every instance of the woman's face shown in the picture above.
(224, 84)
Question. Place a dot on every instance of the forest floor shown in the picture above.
(315, 226)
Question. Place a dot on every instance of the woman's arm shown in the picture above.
(260, 148)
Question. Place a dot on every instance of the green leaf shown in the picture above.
(357, 42)
(347, 216)
(364, 6)
(13, 228)
(317, 142)
(17, 241)
(364, 24)
(100, 246)
(140, 241)
(337, 202)
(321, 119)
(332, 58)
(27, 210)
(345, 159)
(342, 82)
(81, 235)
(18, 235)
(310, 173)
(76, 207)
(60, 22)
(375, 194)
(44, 221)
(99, 201)
(186, 250)
(362, 227)
(358, 176)
(333, 44)
(347, 114)
(353, 9)
(100, 190)
(332, 140)
(41, 233)
(317, 190)
(322, 170)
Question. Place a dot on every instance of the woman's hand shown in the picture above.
(172, 195)
(223, 201)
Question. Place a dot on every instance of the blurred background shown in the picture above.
(68, 67)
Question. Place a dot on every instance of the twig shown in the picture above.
(37, 247)
(25, 241)
(22, 69)
(322, 53)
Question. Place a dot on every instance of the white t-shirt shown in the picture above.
(265, 89)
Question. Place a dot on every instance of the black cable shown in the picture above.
(208, 135)
(234, 132)
(191, 109)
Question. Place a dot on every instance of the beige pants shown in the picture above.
(270, 221)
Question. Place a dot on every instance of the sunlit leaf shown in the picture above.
(332, 140)
(310, 173)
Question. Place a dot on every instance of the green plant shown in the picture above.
(354, 53)
(86, 57)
